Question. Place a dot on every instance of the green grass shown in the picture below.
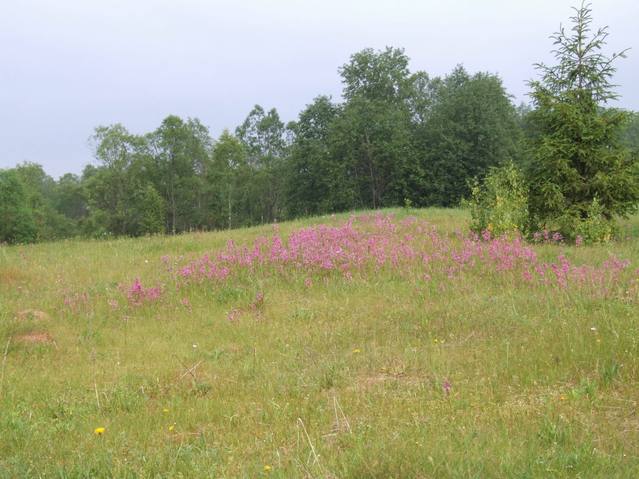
(343, 379)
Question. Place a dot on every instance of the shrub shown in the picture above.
(152, 208)
(595, 228)
(17, 224)
(500, 203)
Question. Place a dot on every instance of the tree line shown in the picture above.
(396, 138)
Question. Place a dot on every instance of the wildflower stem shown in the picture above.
(4, 362)
(97, 396)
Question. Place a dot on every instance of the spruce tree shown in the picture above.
(578, 166)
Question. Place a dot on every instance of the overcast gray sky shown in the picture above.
(68, 66)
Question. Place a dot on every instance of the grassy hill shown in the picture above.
(386, 344)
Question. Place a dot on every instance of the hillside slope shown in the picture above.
(379, 344)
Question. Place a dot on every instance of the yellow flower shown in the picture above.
(267, 468)
(357, 351)
(562, 397)
(165, 410)
(171, 427)
(99, 431)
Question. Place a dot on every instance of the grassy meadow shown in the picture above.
(400, 348)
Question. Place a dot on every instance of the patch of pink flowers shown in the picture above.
(368, 244)
(549, 237)
(138, 294)
(373, 244)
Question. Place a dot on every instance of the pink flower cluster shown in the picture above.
(367, 245)
(550, 237)
(138, 294)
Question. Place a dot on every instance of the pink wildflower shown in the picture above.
(446, 386)
(233, 315)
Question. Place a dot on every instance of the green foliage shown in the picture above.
(594, 228)
(263, 136)
(397, 138)
(382, 75)
(178, 155)
(576, 152)
(71, 197)
(471, 126)
(151, 209)
(500, 204)
(630, 133)
(229, 181)
(42, 197)
(113, 185)
(312, 186)
(371, 139)
(17, 224)
(151, 183)
(372, 143)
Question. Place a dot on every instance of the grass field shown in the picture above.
(390, 345)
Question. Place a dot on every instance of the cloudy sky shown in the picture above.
(68, 66)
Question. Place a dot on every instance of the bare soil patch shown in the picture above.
(35, 337)
(32, 314)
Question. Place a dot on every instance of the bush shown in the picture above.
(500, 204)
(595, 228)
(17, 224)
(590, 226)
(152, 209)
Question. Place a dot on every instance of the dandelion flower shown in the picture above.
(165, 410)
(267, 468)
(98, 431)
(357, 351)
(171, 427)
